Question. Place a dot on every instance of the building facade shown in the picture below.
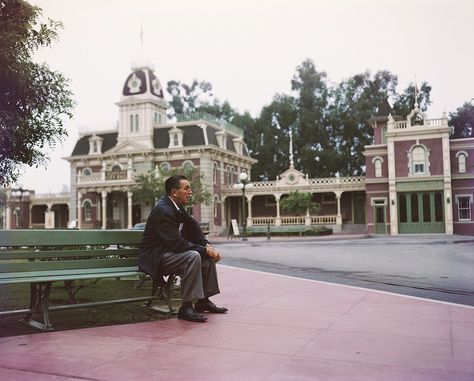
(418, 179)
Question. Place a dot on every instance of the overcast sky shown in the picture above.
(249, 50)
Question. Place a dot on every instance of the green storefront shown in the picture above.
(420, 207)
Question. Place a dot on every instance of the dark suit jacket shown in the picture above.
(161, 235)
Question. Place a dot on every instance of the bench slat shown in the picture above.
(67, 265)
(8, 254)
(49, 276)
(31, 237)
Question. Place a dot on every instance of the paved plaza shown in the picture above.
(278, 328)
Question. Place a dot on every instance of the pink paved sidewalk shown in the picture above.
(278, 328)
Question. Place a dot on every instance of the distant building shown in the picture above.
(418, 180)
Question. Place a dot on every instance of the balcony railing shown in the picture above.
(294, 220)
(201, 115)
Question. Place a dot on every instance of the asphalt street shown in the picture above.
(434, 267)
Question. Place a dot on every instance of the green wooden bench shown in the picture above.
(41, 257)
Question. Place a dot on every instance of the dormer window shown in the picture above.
(176, 138)
(238, 144)
(95, 145)
(221, 139)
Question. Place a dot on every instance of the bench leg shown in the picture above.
(162, 289)
(39, 301)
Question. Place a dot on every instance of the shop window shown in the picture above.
(438, 207)
(414, 208)
(402, 201)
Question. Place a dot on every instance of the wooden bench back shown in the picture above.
(62, 251)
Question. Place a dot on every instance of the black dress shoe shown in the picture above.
(190, 314)
(208, 306)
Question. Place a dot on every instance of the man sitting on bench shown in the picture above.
(173, 243)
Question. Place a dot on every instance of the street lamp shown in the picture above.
(20, 193)
(243, 184)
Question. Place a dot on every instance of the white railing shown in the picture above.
(93, 178)
(323, 220)
(400, 125)
(293, 220)
(439, 122)
(263, 221)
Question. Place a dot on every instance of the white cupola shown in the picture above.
(141, 106)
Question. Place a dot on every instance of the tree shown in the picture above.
(33, 98)
(268, 138)
(463, 121)
(312, 133)
(405, 102)
(188, 98)
(353, 103)
(149, 187)
(299, 203)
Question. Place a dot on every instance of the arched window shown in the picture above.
(165, 167)
(378, 167)
(86, 172)
(87, 210)
(419, 160)
(462, 161)
(215, 173)
(230, 175)
(116, 168)
(136, 122)
(188, 166)
(216, 206)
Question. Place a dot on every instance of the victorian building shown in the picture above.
(418, 179)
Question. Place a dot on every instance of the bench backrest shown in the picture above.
(57, 250)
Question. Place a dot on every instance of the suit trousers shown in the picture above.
(198, 274)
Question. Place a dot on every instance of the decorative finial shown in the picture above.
(141, 40)
(416, 94)
(292, 164)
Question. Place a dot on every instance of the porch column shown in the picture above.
(223, 213)
(8, 216)
(278, 218)
(103, 170)
(249, 216)
(29, 216)
(129, 169)
(129, 204)
(79, 210)
(104, 209)
(338, 216)
(448, 194)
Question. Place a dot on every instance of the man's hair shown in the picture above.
(173, 182)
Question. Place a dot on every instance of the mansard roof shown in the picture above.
(193, 135)
(82, 145)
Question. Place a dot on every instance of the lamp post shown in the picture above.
(20, 193)
(243, 184)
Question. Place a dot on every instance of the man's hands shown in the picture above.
(213, 253)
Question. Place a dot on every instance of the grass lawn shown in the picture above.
(14, 297)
